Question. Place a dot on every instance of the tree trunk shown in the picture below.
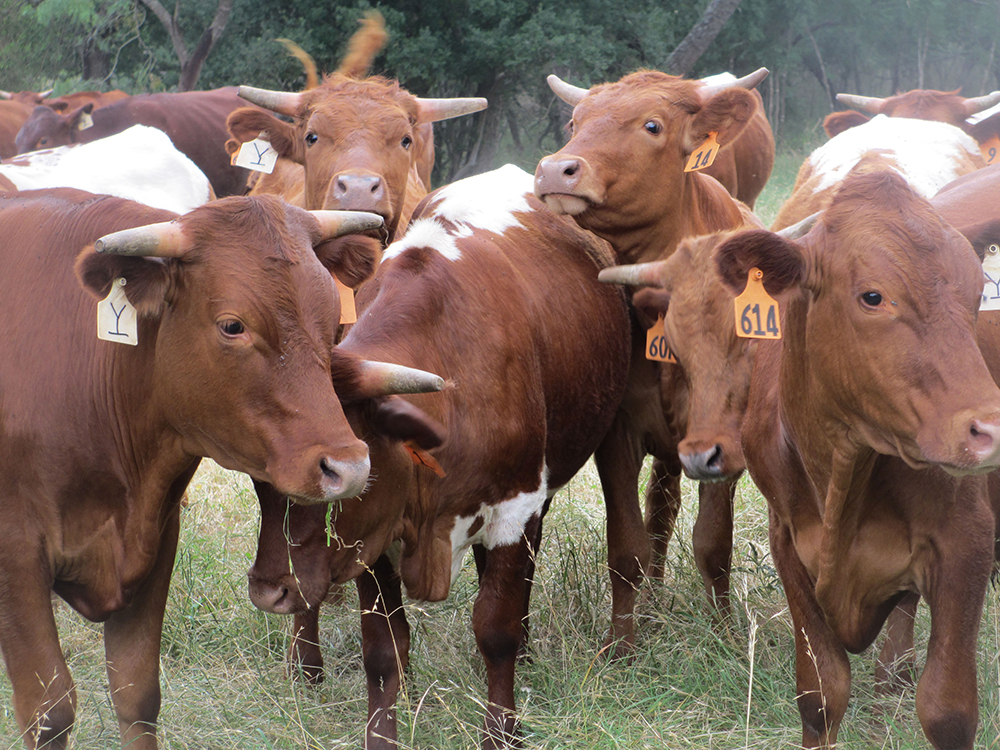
(693, 46)
(191, 63)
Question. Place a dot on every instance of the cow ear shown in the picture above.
(353, 258)
(246, 123)
(726, 113)
(397, 419)
(78, 114)
(650, 303)
(982, 235)
(58, 106)
(147, 280)
(836, 123)
(781, 261)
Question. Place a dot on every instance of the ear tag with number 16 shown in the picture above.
(991, 272)
(656, 343)
(704, 155)
(116, 318)
(756, 311)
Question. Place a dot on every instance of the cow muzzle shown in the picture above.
(710, 460)
(359, 191)
(281, 597)
(563, 183)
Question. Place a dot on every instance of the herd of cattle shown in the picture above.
(847, 358)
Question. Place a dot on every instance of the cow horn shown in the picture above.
(6, 94)
(870, 104)
(749, 81)
(799, 229)
(337, 223)
(384, 379)
(979, 103)
(569, 93)
(163, 240)
(282, 102)
(435, 110)
(46, 93)
(639, 274)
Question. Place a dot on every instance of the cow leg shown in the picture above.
(132, 647)
(618, 462)
(822, 670)
(304, 653)
(896, 665)
(713, 541)
(663, 502)
(385, 638)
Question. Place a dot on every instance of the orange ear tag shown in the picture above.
(756, 311)
(656, 343)
(704, 155)
(348, 313)
(991, 149)
(422, 458)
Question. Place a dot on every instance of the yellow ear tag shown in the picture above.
(656, 343)
(991, 272)
(348, 313)
(257, 155)
(704, 155)
(116, 318)
(991, 149)
(756, 311)
(85, 121)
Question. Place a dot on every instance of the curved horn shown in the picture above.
(748, 82)
(6, 94)
(799, 229)
(384, 379)
(566, 91)
(337, 223)
(164, 240)
(870, 104)
(282, 102)
(639, 274)
(435, 110)
(46, 93)
(979, 103)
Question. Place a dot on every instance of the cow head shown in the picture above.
(46, 128)
(630, 141)
(920, 104)
(240, 313)
(357, 139)
(886, 305)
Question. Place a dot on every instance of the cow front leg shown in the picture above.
(713, 541)
(132, 647)
(896, 666)
(304, 655)
(663, 502)
(385, 638)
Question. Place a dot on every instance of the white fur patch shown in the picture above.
(927, 153)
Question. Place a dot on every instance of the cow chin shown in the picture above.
(563, 204)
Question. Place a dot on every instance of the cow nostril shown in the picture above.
(330, 472)
(571, 169)
(375, 186)
(715, 458)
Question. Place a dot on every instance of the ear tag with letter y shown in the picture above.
(991, 280)
(704, 155)
(756, 311)
(116, 318)
(257, 155)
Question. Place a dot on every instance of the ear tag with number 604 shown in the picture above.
(116, 318)
(991, 150)
(991, 282)
(704, 155)
(656, 343)
(348, 312)
(756, 311)
(257, 155)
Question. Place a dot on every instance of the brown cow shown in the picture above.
(865, 438)
(194, 120)
(98, 439)
(13, 115)
(501, 297)
(622, 176)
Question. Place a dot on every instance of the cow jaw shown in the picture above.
(569, 205)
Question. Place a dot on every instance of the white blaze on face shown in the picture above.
(503, 523)
(486, 202)
(926, 153)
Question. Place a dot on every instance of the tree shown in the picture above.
(693, 46)
(191, 62)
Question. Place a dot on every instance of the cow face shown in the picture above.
(888, 305)
(243, 316)
(46, 128)
(625, 160)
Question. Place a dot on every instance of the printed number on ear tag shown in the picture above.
(656, 343)
(756, 312)
(991, 149)
(348, 313)
(257, 155)
(704, 155)
(991, 274)
(116, 318)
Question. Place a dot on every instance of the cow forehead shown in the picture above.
(640, 95)
(352, 114)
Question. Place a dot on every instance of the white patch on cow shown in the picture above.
(927, 154)
(503, 523)
(140, 164)
(485, 202)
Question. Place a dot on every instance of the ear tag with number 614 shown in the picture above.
(991, 282)
(656, 343)
(257, 155)
(116, 318)
(704, 155)
(991, 150)
(756, 311)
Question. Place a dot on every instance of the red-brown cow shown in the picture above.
(194, 120)
(622, 176)
(13, 115)
(501, 297)
(98, 439)
(865, 438)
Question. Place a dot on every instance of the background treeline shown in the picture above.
(503, 49)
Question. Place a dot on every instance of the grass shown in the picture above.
(689, 685)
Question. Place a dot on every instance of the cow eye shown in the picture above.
(406, 142)
(311, 138)
(872, 299)
(652, 126)
(231, 327)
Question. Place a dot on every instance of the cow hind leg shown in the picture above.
(713, 541)
(304, 655)
(663, 503)
(896, 666)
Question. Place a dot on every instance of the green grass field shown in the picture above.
(689, 685)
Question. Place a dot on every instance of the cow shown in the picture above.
(140, 164)
(500, 297)
(194, 120)
(928, 154)
(867, 442)
(99, 437)
(622, 176)
(13, 114)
